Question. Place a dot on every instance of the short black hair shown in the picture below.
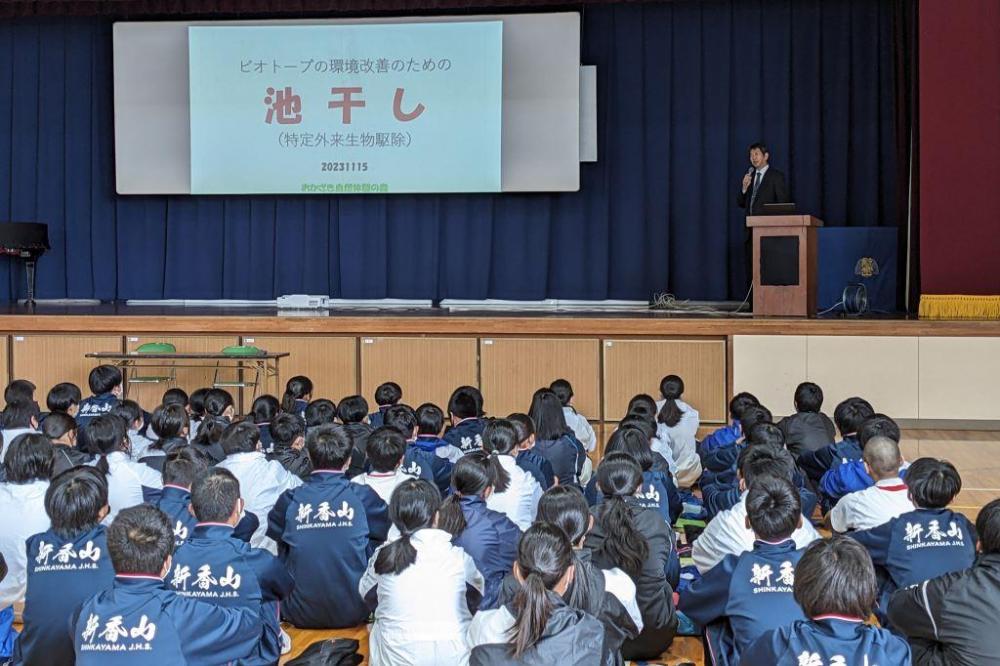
(175, 396)
(765, 460)
(808, 397)
(197, 401)
(240, 437)
(752, 416)
(129, 410)
(265, 408)
(878, 425)
(642, 405)
(386, 447)
(988, 528)
(103, 379)
(740, 402)
(217, 401)
(28, 458)
(329, 447)
(105, 434)
(320, 412)
(169, 420)
(183, 465)
(402, 418)
(57, 424)
(932, 483)
(850, 414)
(836, 576)
(74, 499)
(214, 495)
(388, 393)
(62, 396)
(774, 508)
(466, 402)
(140, 539)
(285, 429)
(523, 424)
(758, 145)
(19, 390)
(430, 419)
(563, 390)
(352, 409)
(766, 433)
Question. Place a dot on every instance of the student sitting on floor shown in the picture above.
(180, 468)
(539, 627)
(64, 398)
(850, 476)
(607, 594)
(352, 412)
(297, 396)
(262, 481)
(417, 460)
(177, 396)
(170, 424)
(465, 411)
(727, 533)
(19, 415)
(106, 391)
(67, 565)
(320, 412)
(141, 615)
(419, 586)
(131, 413)
(61, 431)
(263, 411)
(538, 467)
(678, 424)
(430, 425)
(635, 539)
(848, 416)
(881, 502)
(488, 536)
(835, 586)
(386, 448)
(581, 427)
(745, 595)
(554, 440)
(129, 482)
(216, 567)
(732, 433)
(721, 461)
(952, 620)
(208, 438)
(924, 543)
(386, 395)
(196, 412)
(515, 492)
(808, 429)
(663, 457)
(288, 433)
(326, 530)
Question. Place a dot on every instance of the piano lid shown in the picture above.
(24, 235)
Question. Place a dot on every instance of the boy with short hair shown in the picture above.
(386, 395)
(64, 398)
(745, 595)
(140, 618)
(417, 461)
(326, 530)
(850, 476)
(61, 430)
(106, 391)
(465, 410)
(808, 429)
(881, 502)
(848, 416)
(723, 459)
(288, 434)
(215, 566)
(835, 586)
(577, 422)
(430, 424)
(180, 468)
(67, 564)
(352, 413)
(386, 449)
(732, 433)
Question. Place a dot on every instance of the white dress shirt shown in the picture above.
(871, 507)
(728, 534)
(22, 514)
(581, 428)
(262, 482)
(126, 481)
(422, 614)
(520, 501)
(383, 483)
(681, 439)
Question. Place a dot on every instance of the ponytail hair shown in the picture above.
(543, 557)
(217, 401)
(671, 388)
(634, 443)
(499, 439)
(566, 508)
(472, 475)
(618, 477)
(106, 434)
(412, 507)
(297, 388)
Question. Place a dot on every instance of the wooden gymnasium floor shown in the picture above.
(976, 454)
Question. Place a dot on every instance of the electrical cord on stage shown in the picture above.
(667, 302)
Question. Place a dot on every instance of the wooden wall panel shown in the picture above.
(512, 369)
(47, 360)
(330, 362)
(189, 379)
(770, 367)
(958, 378)
(637, 366)
(5, 369)
(427, 369)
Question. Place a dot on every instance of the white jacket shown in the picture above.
(581, 428)
(22, 514)
(682, 441)
(520, 501)
(126, 481)
(262, 482)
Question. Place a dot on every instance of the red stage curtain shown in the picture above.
(960, 157)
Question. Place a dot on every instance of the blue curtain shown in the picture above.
(683, 88)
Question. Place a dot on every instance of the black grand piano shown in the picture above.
(26, 241)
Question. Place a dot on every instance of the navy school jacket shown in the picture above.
(658, 492)
(816, 463)
(62, 574)
(466, 434)
(175, 500)
(718, 498)
(141, 620)
(490, 539)
(720, 437)
(538, 467)
(425, 464)
(266, 441)
(91, 408)
(359, 434)
(326, 529)
(377, 418)
(566, 455)
(722, 459)
(744, 596)
(299, 408)
(828, 640)
(217, 568)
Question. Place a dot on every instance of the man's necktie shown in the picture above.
(756, 186)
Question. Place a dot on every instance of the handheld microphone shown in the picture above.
(750, 170)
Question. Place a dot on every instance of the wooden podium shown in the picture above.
(784, 265)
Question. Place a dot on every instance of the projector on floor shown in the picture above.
(303, 302)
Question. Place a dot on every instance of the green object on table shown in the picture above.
(156, 348)
(242, 350)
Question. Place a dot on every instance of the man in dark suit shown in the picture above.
(762, 184)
